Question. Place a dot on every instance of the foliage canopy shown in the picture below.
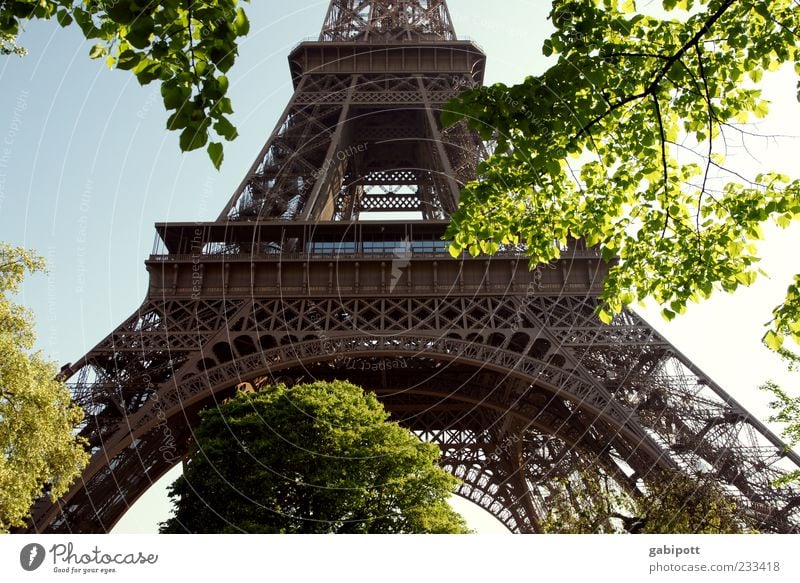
(674, 503)
(314, 458)
(37, 419)
(621, 143)
(786, 410)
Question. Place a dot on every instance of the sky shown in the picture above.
(87, 167)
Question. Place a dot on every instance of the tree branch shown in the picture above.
(670, 61)
(191, 42)
(634, 55)
(704, 78)
(736, 128)
(783, 26)
(692, 42)
(663, 162)
(608, 112)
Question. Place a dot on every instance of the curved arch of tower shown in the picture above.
(328, 263)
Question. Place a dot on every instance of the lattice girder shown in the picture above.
(628, 378)
(480, 396)
(383, 20)
(326, 139)
(324, 341)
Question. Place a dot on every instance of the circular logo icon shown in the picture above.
(31, 556)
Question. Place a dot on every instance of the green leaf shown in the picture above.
(450, 116)
(140, 35)
(180, 119)
(97, 51)
(174, 95)
(85, 23)
(215, 152)
(147, 71)
(224, 106)
(490, 247)
(63, 17)
(241, 25)
(224, 128)
(193, 137)
(225, 62)
(773, 341)
(756, 74)
(222, 83)
(128, 60)
(120, 12)
(783, 221)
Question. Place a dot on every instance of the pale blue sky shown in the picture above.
(86, 168)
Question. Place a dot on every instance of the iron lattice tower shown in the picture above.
(310, 272)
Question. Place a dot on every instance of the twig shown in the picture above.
(663, 162)
(710, 132)
(736, 128)
(634, 55)
(191, 42)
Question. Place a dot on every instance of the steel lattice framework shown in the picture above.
(381, 21)
(505, 368)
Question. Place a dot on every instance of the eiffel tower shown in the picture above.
(328, 263)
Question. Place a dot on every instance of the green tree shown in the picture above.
(674, 503)
(315, 458)
(621, 143)
(786, 410)
(678, 503)
(586, 502)
(187, 45)
(37, 419)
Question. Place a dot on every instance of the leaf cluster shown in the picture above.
(38, 451)
(673, 503)
(619, 144)
(786, 410)
(678, 503)
(315, 458)
(186, 45)
(8, 45)
(586, 502)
